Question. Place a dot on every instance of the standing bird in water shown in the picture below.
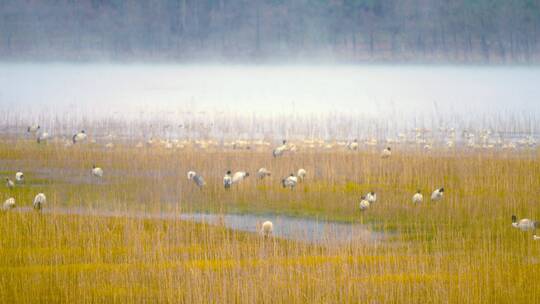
(227, 180)
(196, 178)
(39, 201)
(417, 197)
(262, 173)
(278, 151)
(386, 153)
(79, 137)
(266, 228)
(437, 195)
(289, 181)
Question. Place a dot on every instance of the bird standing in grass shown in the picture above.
(227, 180)
(8, 204)
(289, 181)
(19, 177)
(97, 171)
(9, 183)
(33, 128)
(39, 201)
(262, 173)
(371, 197)
(266, 228)
(79, 137)
(239, 176)
(417, 197)
(525, 224)
(278, 151)
(42, 137)
(301, 174)
(386, 153)
(196, 178)
(364, 203)
(353, 145)
(536, 238)
(437, 195)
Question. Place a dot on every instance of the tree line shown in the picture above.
(497, 31)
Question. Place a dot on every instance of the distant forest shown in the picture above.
(495, 31)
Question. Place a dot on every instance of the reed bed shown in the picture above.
(462, 249)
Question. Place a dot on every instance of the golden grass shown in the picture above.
(461, 250)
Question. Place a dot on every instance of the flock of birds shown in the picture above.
(230, 179)
(40, 199)
(426, 139)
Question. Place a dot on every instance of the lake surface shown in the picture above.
(136, 90)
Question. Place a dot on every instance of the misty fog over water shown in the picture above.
(406, 92)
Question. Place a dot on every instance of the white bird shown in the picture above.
(437, 195)
(97, 171)
(19, 177)
(525, 224)
(266, 228)
(39, 201)
(79, 137)
(417, 197)
(227, 180)
(386, 152)
(278, 151)
(364, 204)
(196, 178)
(289, 181)
(371, 197)
(301, 174)
(42, 137)
(239, 176)
(33, 129)
(536, 238)
(263, 172)
(8, 204)
(9, 183)
(353, 145)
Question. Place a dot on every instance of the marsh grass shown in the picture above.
(462, 249)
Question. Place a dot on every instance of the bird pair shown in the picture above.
(367, 200)
(436, 196)
(39, 200)
(19, 179)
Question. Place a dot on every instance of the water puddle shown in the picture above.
(286, 227)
